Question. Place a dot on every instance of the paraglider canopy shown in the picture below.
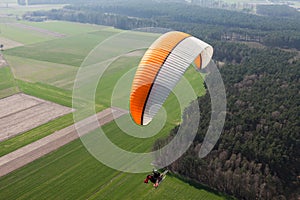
(161, 68)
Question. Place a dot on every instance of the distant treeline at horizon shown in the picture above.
(205, 23)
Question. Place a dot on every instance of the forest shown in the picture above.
(278, 11)
(257, 156)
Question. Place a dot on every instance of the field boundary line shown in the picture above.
(27, 108)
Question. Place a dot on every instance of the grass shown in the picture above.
(6, 78)
(129, 186)
(68, 28)
(58, 75)
(72, 173)
(69, 50)
(47, 92)
(7, 83)
(112, 76)
(134, 144)
(74, 49)
(21, 35)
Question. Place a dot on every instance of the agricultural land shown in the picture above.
(41, 63)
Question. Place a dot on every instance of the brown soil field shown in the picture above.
(20, 113)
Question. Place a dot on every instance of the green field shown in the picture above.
(70, 50)
(21, 35)
(46, 68)
(68, 28)
(7, 83)
(55, 74)
(72, 173)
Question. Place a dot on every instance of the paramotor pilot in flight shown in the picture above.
(155, 178)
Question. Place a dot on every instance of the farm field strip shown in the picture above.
(70, 50)
(8, 105)
(23, 36)
(35, 150)
(31, 70)
(7, 83)
(66, 28)
(36, 29)
(20, 113)
(8, 91)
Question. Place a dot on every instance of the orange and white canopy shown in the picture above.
(161, 68)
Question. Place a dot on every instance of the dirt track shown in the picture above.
(35, 150)
(20, 113)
